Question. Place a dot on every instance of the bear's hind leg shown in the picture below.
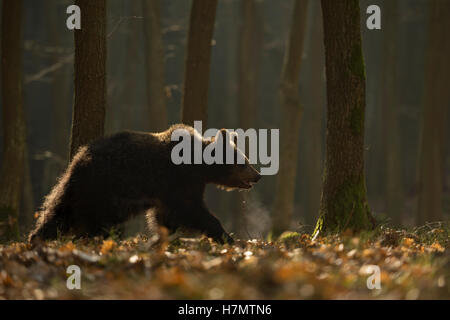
(99, 219)
(48, 227)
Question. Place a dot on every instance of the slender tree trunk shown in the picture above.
(229, 203)
(90, 75)
(393, 180)
(60, 87)
(127, 111)
(14, 134)
(375, 157)
(314, 127)
(291, 116)
(116, 71)
(231, 34)
(196, 77)
(156, 96)
(249, 60)
(344, 200)
(61, 99)
(436, 104)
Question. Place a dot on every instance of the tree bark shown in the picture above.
(127, 110)
(115, 86)
(344, 200)
(196, 77)
(156, 96)
(61, 78)
(291, 116)
(249, 60)
(14, 134)
(90, 75)
(436, 104)
(313, 159)
(393, 180)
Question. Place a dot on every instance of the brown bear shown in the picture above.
(117, 177)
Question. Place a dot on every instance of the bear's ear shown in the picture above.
(233, 136)
(226, 136)
(221, 135)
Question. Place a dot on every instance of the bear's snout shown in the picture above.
(256, 177)
(249, 177)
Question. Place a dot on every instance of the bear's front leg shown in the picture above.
(199, 218)
(213, 228)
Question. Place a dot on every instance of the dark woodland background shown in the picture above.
(395, 111)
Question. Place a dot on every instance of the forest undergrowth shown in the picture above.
(413, 264)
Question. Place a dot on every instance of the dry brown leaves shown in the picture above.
(296, 267)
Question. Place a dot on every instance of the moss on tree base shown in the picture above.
(346, 209)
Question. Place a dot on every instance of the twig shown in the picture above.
(50, 69)
(122, 19)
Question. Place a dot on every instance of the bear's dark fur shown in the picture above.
(117, 177)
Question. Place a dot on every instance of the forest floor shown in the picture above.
(413, 264)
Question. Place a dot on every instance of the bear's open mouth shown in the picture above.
(224, 187)
(246, 185)
(243, 185)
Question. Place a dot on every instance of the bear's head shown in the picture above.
(231, 168)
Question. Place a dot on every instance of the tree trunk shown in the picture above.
(249, 60)
(127, 111)
(116, 50)
(312, 182)
(344, 200)
(291, 116)
(90, 75)
(436, 104)
(14, 135)
(60, 79)
(156, 97)
(196, 77)
(393, 179)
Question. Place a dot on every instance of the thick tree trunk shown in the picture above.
(291, 116)
(391, 134)
(196, 77)
(344, 200)
(14, 134)
(90, 75)
(156, 97)
(436, 104)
